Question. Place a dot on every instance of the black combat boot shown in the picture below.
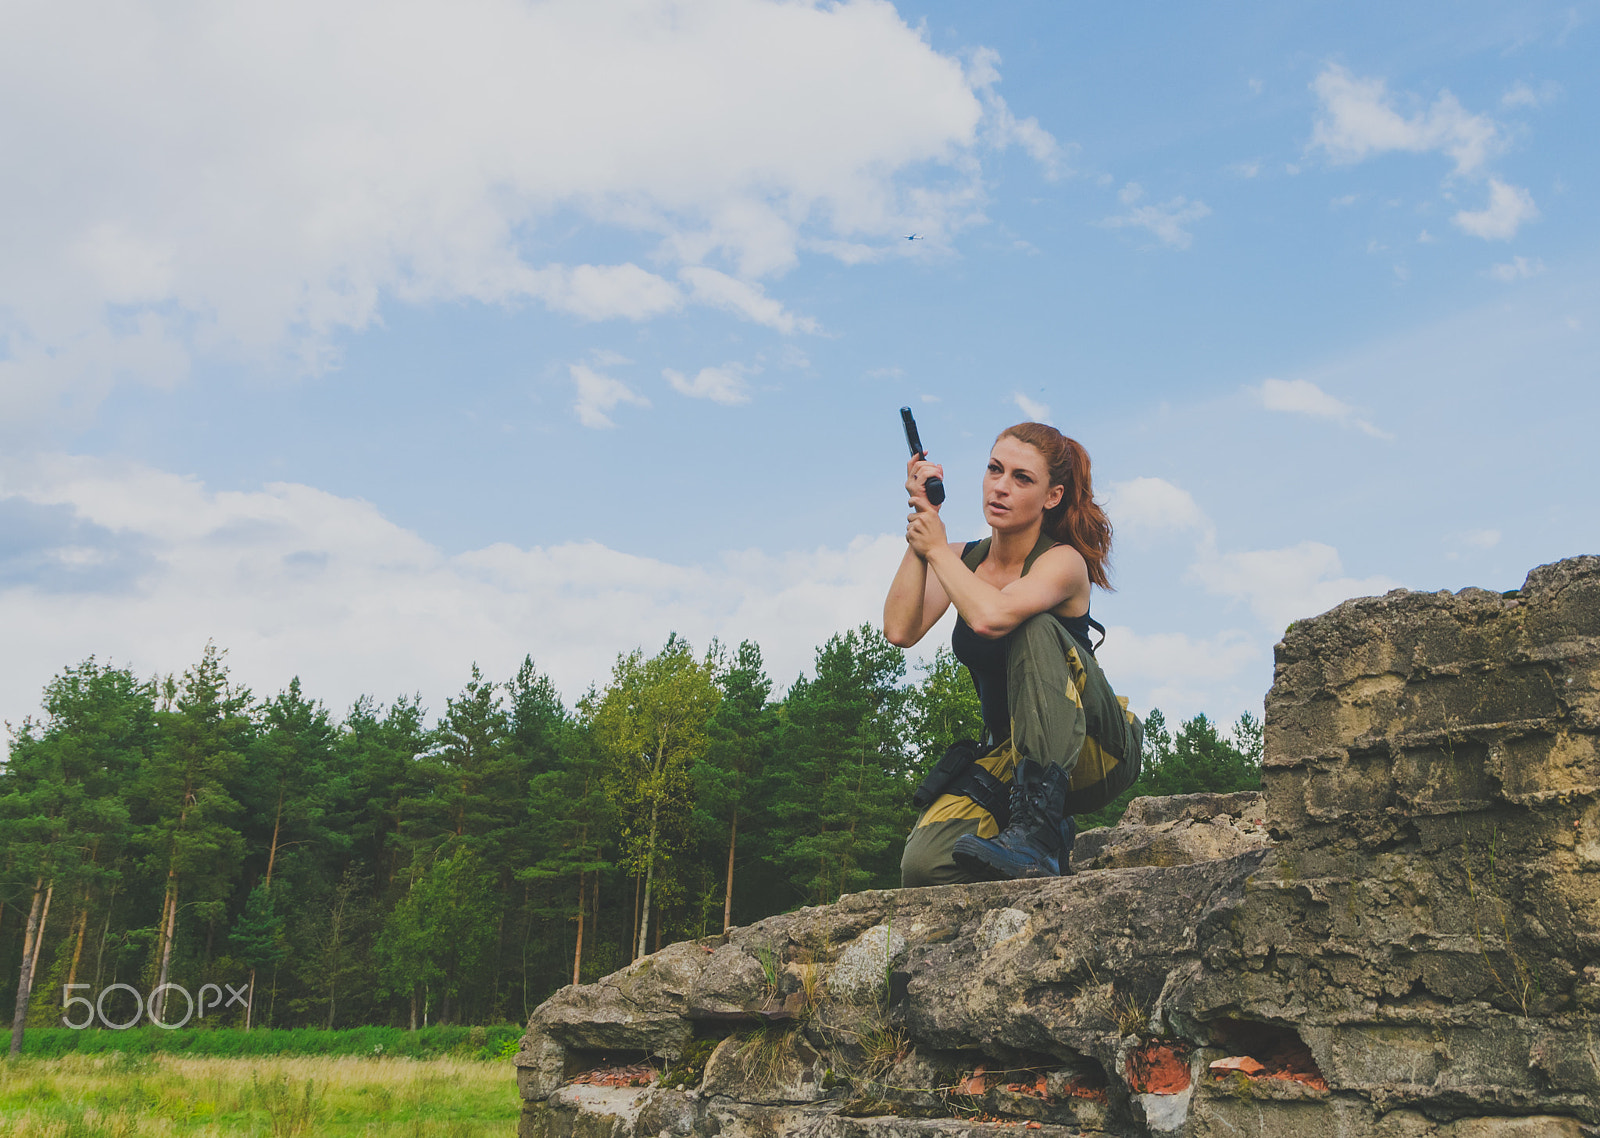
(1038, 841)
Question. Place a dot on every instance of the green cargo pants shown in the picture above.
(1063, 711)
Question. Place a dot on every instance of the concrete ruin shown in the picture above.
(1399, 937)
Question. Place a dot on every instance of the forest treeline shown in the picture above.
(384, 868)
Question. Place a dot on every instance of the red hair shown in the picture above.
(1077, 520)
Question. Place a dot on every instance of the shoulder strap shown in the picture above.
(1045, 542)
(974, 553)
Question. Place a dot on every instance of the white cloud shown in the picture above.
(1358, 120)
(1283, 585)
(1035, 411)
(598, 395)
(602, 292)
(1165, 220)
(1002, 128)
(744, 298)
(1522, 96)
(1279, 585)
(1302, 397)
(1153, 505)
(725, 384)
(262, 178)
(1181, 674)
(791, 356)
(1516, 269)
(1040, 144)
(1509, 206)
(294, 580)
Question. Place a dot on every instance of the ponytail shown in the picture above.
(1077, 520)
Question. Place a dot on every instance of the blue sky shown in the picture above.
(372, 340)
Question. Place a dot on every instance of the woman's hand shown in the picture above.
(924, 527)
(925, 530)
(918, 471)
(916, 600)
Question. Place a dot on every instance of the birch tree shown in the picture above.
(651, 721)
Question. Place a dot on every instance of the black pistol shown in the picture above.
(933, 486)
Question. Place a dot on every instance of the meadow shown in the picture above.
(129, 1095)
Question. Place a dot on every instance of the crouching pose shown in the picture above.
(1055, 731)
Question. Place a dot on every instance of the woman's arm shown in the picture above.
(916, 599)
(915, 602)
(1059, 575)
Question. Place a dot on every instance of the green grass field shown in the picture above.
(495, 1042)
(122, 1095)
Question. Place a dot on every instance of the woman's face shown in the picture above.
(1016, 487)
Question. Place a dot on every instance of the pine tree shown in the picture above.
(378, 751)
(287, 795)
(190, 833)
(476, 794)
(333, 942)
(741, 736)
(572, 819)
(63, 821)
(942, 709)
(841, 797)
(553, 830)
(258, 937)
(1197, 760)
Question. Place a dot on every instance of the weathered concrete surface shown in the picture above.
(1404, 928)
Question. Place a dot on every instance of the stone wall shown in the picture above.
(1400, 937)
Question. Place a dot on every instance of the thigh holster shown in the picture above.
(958, 772)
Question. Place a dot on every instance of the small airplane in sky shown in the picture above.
(914, 237)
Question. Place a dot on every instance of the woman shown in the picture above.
(1055, 729)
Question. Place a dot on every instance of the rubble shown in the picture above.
(1398, 938)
